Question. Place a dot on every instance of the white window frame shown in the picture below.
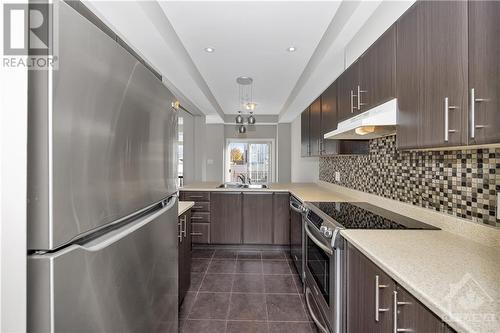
(234, 140)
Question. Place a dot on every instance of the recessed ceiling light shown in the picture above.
(209, 49)
(291, 49)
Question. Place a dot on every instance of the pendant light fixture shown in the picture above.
(245, 91)
(239, 118)
(251, 119)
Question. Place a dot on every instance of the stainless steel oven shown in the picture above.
(324, 272)
(297, 235)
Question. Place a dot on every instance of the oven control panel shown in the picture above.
(326, 231)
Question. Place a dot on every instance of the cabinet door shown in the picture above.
(378, 71)
(363, 292)
(413, 316)
(484, 72)
(225, 218)
(444, 115)
(200, 233)
(315, 127)
(329, 119)
(409, 77)
(305, 148)
(281, 212)
(347, 90)
(257, 217)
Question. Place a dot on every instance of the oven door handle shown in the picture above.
(295, 206)
(313, 315)
(317, 242)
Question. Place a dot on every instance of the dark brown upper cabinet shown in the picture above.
(257, 217)
(409, 78)
(329, 119)
(484, 72)
(315, 127)
(432, 90)
(444, 116)
(305, 147)
(348, 84)
(225, 214)
(378, 72)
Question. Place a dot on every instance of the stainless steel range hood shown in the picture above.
(374, 123)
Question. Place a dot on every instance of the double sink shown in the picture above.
(239, 185)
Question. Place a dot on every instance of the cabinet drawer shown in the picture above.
(200, 233)
(195, 196)
(200, 217)
(201, 207)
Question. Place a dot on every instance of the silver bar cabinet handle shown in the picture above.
(352, 101)
(179, 225)
(196, 234)
(447, 109)
(473, 101)
(472, 113)
(395, 318)
(185, 226)
(359, 97)
(378, 286)
(446, 126)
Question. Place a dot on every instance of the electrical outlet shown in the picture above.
(337, 176)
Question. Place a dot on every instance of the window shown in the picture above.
(250, 158)
(180, 152)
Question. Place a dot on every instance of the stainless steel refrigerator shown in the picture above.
(102, 212)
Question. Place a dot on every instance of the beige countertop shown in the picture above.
(303, 191)
(455, 271)
(184, 206)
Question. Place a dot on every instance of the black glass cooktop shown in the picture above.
(362, 215)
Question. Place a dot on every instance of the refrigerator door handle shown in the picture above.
(113, 236)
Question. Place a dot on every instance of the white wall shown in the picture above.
(304, 169)
(283, 153)
(13, 171)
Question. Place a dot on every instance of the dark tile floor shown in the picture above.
(244, 291)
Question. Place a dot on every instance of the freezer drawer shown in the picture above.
(122, 281)
(102, 139)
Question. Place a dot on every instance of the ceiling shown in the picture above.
(250, 39)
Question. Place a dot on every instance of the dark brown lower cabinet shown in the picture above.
(225, 217)
(200, 233)
(371, 298)
(369, 295)
(413, 316)
(184, 246)
(281, 218)
(257, 217)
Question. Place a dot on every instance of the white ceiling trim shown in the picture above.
(343, 27)
(167, 32)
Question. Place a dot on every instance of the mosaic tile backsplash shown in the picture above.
(463, 183)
